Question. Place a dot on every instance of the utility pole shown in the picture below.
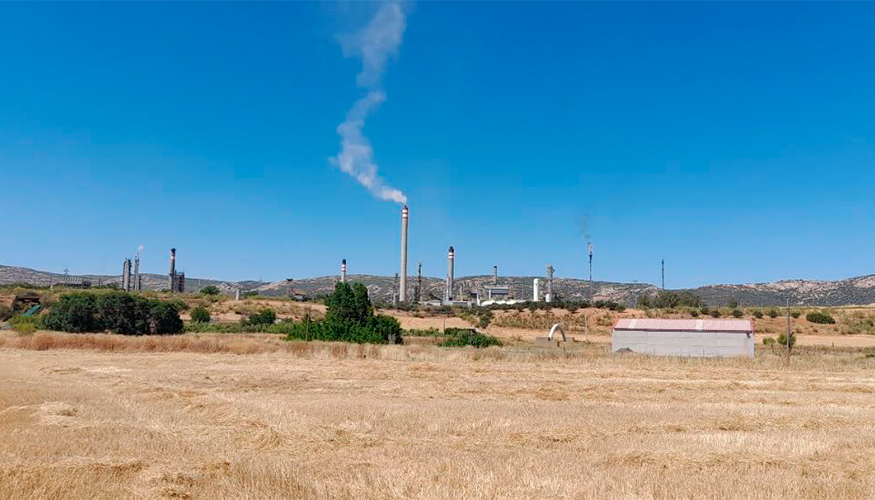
(789, 333)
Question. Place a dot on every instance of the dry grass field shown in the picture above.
(103, 416)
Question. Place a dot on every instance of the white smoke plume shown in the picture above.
(374, 45)
(140, 249)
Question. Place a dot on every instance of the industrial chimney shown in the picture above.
(172, 269)
(137, 272)
(126, 275)
(536, 290)
(402, 288)
(549, 296)
(343, 271)
(451, 257)
(495, 275)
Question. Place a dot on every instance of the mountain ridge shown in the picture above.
(858, 290)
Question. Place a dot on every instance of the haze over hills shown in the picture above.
(851, 291)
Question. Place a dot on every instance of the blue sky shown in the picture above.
(735, 140)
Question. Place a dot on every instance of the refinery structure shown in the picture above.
(467, 292)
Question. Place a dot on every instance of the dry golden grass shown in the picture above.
(92, 416)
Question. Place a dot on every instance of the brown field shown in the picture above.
(232, 416)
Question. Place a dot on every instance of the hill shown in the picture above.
(852, 291)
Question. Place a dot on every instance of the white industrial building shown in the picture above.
(709, 338)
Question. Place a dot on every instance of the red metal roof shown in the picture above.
(686, 325)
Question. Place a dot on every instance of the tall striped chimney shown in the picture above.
(402, 287)
(172, 269)
(343, 271)
(451, 258)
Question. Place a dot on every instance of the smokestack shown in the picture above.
(495, 275)
(172, 269)
(536, 290)
(126, 275)
(343, 271)
(549, 297)
(402, 288)
(137, 273)
(451, 257)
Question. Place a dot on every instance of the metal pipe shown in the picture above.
(402, 288)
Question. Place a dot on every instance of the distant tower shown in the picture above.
(126, 275)
(419, 283)
(495, 275)
(343, 271)
(549, 296)
(451, 258)
(137, 272)
(395, 291)
(663, 274)
(536, 290)
(402, 289)
(172, 275)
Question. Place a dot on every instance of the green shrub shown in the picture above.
(264, 317)
(715, 313)
(179, 304)
(768, 341)
(118, 312)
(757, 314)
(25, 324)
(782, 339)
(820, 318)
(429, 332)
(773, 313)
(350, 318)
(210, 290)
(200, 314)
(795, 314)
(694, 313)
(460, 337)
(74, 312)
(164, 319)
(669, 299)
(5, 312)
(737, 313)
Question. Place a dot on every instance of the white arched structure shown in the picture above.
(557, 326)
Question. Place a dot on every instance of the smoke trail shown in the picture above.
(583, 224)
(374, 45)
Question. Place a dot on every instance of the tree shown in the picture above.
(118, 312)
(164, 319)
(74, 312)
(200, 314)
(210, 290)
